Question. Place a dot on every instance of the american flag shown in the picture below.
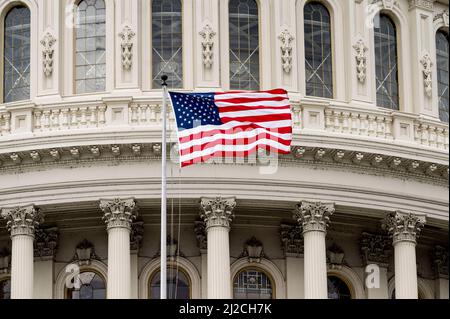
(231, 124)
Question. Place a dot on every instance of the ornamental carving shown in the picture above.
(200, 234)
(335, 256)
(442, 15)
(22, 220)
(48, 41)
(118, 212)
(217, 211)
(375, 249)
(126, 37)
(403, 226)
(286, 39)
(423, 4)
(387, 4)
(361, 59)
(136, 235)
(441, 262)
(314, 216)
(292, 240)
(427, 63)
(207, 34)
(46, 242)
(84, 253)
(253, 250)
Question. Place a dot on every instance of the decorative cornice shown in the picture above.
(314, 216)
(207, 34)
(440, 262)
(403, 226)
(291, 240)
(422, 4)
(200, 234)
(286, 39)
(22, 220)
(46, 242)
(118, 212)
(218, 211)
(48, 41)
(375, 249)
(136, 235)
(126, 37)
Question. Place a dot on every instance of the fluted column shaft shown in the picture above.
(21, 223)
(315, 265)
(314, 218)
(118, 215)
(217, 214)
(404, 229)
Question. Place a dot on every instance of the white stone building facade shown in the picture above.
(363, 195)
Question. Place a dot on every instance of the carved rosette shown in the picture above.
(118, 212)
(441, 262)
(427, 64)
(375, 249)
(22, 220)
(361, 59)
(136, 235)
(217, 211)
(314, 216)
(291, 240)
(48, 41)
(286, 39)
(200, 234)
(126, 37)
(207, 34)
(46, 242)
(403, 226)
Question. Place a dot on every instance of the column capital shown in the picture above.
(22, 220)
(314, 216)
(375, 249)
(118, 213)
(403, 226)
(217, 211)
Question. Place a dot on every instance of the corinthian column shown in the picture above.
(404, 229)
(118, 215)
(218, 214)
(314, 218)
(21, 223)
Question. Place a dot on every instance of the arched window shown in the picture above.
(318, 56)
(442, 73)
(91, 286)
(252, 284)
(167, 42)
(16, 55)
(386, 67)
(178, 285)
(5, 289)
(337, 288)
(90, 47)
(244, 44)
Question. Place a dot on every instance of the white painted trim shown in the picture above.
(266, 266)
(183, 263)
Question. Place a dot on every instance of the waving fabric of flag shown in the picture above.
(231, 124)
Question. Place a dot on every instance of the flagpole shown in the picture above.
(163, 270)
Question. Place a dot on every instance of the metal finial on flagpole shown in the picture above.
(163, 270)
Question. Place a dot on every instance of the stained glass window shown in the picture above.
(442, 73)
(90, 52)
(318, 56)
(386, 65)
(177, 285)
(92, 286)
(244, 44)
(16, 57)
(252, 284)
(167, 42)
